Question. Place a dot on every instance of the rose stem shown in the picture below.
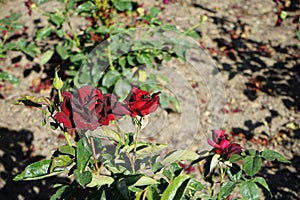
(94, 153)
(139, 123)
(66, 134)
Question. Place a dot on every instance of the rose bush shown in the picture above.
(119, 173)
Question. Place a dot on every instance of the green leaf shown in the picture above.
(145, 180)
(15, 16)
(152, 193)
(195, 185)
(79, 57)
(100, 180)
(21, 44)
(122, 88)
(66, 149)
(122, 5)
(34, 101)
(107, 133)
(10, 46)
(154, 11)
(62, 193)
(144, 58)
(262, 182)
(249, 190)
(46, 57)
(16, 27)
(235, 158)
(83, 178)
(83, 154)
(31, 50)
(214, 162)
(57, 19)
(252, 165)
(273, 155)
(86, 7)
(227, 188)
(4, 76)
(60, 161)
(42, 33)
(110, 78)
(172, 192)
(60, 33)
(149, 150)
(34, 171)
(234, 173)
(180, 155)
(62, 52)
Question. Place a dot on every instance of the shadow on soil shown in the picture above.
(16, 153)
(281, 78)
(284, 184)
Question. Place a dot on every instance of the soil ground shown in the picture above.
(259, 65)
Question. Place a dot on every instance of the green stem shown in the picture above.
(138, 131)
(94, 153)
(202, 19)
(211, 189)
(66, 134)
(222, 173)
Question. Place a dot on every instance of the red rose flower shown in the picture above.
(85, 109)
(114, 108)
(222, 145)
(141, 103)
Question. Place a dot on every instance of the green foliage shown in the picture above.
(4, 76)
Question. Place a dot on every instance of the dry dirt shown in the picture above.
(260, 71)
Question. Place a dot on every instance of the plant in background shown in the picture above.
(110, 165)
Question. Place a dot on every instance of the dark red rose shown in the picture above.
(114, 108)
(222, 145)
(141, 103)
(85, 109)
(65, 116)
(232, 149)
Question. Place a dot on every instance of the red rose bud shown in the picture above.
(222, 145)
(140, 102)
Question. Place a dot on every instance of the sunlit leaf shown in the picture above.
(249, 190)
(100, 180)
(46, 57)
(252, 164)
(273, 155)
(181, 155)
